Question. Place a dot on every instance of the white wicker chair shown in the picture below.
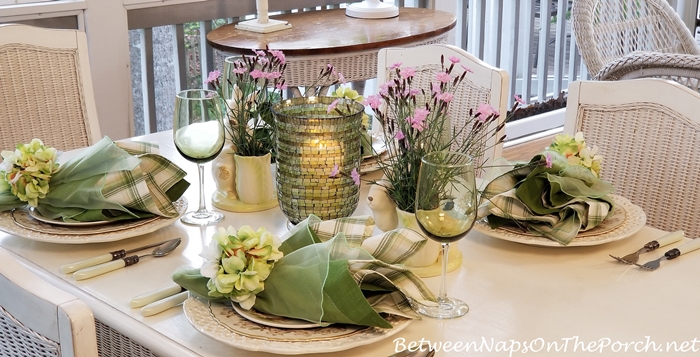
(648, 131)
(626, 39)
(487, 84)
(46, 88)
(37, 319)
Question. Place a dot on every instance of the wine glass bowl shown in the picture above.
(198, 134)
(446, 208)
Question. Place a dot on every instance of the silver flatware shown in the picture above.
(160, 251)
(663, 241)
(104, 258)
(671, 254)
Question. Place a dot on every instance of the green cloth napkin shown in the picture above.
(326, 277)
(556, 202)
(111, 181)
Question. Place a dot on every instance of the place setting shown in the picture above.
(108, 192)
(556, 200)
(306, 299)
(326, 285)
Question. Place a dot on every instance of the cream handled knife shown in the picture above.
(164, 304)
(155, 302)
(104, 258)
(153, 296)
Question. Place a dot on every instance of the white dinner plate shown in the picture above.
(59, 222)
(20, 223)
(271, 320)
(222, 323)
(634, 220)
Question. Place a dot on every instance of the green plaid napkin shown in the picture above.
(114, 181)
(327, 277)
(557, 202)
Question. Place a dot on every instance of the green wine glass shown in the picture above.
(446, 208)
(198, 134)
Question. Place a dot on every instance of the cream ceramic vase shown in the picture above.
(243, 183)
(387, 217)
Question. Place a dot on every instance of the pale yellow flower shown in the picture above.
(347, 92)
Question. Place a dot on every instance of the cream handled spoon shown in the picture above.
(104, 258)
(160, 251)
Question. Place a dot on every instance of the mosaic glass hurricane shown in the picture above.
(310, 142)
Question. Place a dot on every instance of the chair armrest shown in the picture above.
(653, 64)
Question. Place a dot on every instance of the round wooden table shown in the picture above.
(318, 38)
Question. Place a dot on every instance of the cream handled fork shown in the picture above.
(660, 242)
(671, 254)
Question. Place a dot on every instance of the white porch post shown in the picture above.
(108, 41)
(451, 6)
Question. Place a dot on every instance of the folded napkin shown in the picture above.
(556, 202)
(110, 181)
(325, 276)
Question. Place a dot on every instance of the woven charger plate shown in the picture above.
(634, 220)
(222, 323)
(20, 223)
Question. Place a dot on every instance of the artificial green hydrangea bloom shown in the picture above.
(576, 152)
(237, 262)
(565, 144)
(27, 170)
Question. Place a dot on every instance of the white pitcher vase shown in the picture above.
(243, 183)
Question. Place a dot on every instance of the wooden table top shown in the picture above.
(331, 31)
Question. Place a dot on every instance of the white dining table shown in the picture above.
(524, 299)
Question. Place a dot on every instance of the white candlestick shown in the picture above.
(263, 24)
(261, 6)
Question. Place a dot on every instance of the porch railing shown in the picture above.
(511, 40)
(531, 39)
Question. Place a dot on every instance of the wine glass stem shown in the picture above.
(443, 282)
(202, 207)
